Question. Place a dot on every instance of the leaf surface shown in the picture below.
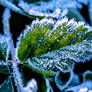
(53, 47)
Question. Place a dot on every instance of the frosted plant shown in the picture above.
(49, 50)
(55, 46)
(55, 9)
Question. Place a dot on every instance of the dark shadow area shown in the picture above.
(17, 24)
(85, 13)
(82, 67)
(3, 77)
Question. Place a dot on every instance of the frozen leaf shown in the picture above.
(66, 80)
(84, 87)
(3, 48)
(39, 70)
(52, 46)
(52, 8)
(6, 84)
(41, 6)
(62, 80)
(4, 69)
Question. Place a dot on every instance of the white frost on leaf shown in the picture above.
(84, 87)
(77, 48)
(44, 8)
(64, 58)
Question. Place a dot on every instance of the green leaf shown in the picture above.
(84, 87)
(3, 48)
(35, 39)
(55, 46)
(40, 71)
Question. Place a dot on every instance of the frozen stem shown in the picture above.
(14, 8)
(6, 28)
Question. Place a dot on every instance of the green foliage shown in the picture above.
(51, 52)
(34, 42)
(41, 38)
(40, 71)
(55, 46)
